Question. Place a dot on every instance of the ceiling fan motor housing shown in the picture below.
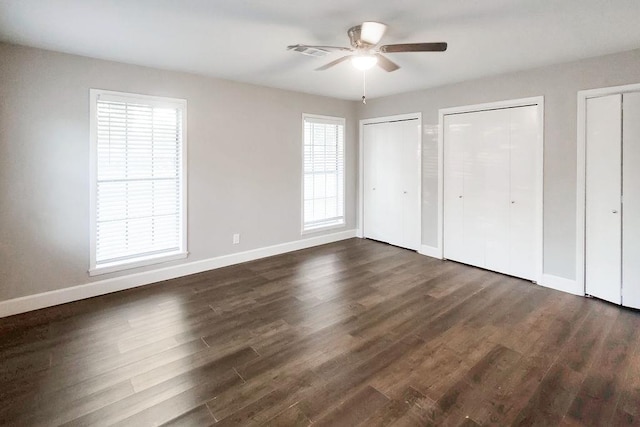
(354, 34)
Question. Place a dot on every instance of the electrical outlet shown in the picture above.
(236, 239)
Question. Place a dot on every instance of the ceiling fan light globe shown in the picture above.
(364, 62)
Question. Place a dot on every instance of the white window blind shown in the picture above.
(323, 192)
(138, 197)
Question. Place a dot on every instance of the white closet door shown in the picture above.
(522, 231)
(456, 137)
(374, 216)
(395, 177)
(494, 160)
(473, 209)
(603, 256)
(392, 182)
(490, 162)
(411, 197)
(631, 204)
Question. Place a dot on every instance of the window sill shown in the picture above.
(323, 228)
(138, 262)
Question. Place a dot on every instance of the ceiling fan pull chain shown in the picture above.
(364, 87)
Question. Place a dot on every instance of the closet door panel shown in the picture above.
(524, 142)
(386, 184)
(391, 156)
(456, 127)
(631, 204)
(603, 256)
(373, 219)
(370, 181)
(394, 182)
(411, 188)
(474, 207)
(494, 160)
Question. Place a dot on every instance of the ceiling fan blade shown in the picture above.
(386, 64)
(414, 47)
(372, 32)
(298, 47)
(316, 51)
(332, 63)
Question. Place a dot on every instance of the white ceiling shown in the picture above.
(245, 40)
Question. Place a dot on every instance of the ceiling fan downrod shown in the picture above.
(364, 87)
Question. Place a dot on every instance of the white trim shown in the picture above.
(539, 178)
(93, 173)
(395, 118)
(335, 226)
(140, 262)
(581, 189)
(155, 101)
(316, 118)
(88, 290)
(561, 284)
(430, 251)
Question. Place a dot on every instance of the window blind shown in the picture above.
(139, 180)
(323, 204)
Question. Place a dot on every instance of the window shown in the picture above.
(138, 180)
(323, 187)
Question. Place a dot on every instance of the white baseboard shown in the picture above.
(430, 251)
(561, 284)
(88, 290)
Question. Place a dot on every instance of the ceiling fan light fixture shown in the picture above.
(364, 62)
(372, 32)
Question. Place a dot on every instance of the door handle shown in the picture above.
(614, 211)
(405, 192)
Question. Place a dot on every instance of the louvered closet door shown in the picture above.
(603, 258)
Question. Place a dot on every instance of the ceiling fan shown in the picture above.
(365, 52)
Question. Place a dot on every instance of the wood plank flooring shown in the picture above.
(355, 332)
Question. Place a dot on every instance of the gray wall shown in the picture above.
(559, 85)
(244, 163)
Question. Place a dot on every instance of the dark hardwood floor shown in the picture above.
(355, 332)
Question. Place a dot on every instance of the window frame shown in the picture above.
(144, 260)
(338, 121)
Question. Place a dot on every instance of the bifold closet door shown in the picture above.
(477, 189)
(375, 208)
(391, 159)
(493, 157)
(522, 199)
(456, 132)
(490, 189)
(410, 158)
(603, 234)
(631, 198)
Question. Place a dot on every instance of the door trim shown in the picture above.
(385, 119)
(522, 102)
(581, 171)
